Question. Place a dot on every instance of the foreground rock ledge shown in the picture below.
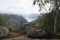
(4, 31)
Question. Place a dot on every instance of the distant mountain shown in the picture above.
(29, 17)
(20, 20)
(33, 16)
(17, 21)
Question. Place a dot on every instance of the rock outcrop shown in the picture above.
(41, 34)
(3, 31)
(37, 34)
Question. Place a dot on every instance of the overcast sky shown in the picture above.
(18, 6)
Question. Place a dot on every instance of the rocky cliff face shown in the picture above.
(17, 21)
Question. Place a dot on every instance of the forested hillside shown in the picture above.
(14, 23)
(17, 21)
(45, 22)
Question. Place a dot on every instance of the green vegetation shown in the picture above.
(3, 20)
(50, 21)
(46, 22)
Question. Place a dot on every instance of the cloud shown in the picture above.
(18, 6)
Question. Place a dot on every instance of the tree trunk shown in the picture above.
(55, 21)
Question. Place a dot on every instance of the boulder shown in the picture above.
(41, 34)
(4, 31)
(37, 34)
